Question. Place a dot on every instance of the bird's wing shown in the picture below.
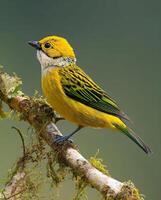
(80, 87)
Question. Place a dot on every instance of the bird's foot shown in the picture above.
(61, 139)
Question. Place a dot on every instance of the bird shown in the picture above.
(74, 95)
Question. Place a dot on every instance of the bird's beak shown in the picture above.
(35, 44)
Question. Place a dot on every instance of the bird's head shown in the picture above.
(52, 49)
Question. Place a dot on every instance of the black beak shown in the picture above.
(35, 44)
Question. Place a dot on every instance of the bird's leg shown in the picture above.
(60, 139)
(58, 119)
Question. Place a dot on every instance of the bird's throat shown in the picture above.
(48, 62)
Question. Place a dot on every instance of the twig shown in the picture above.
(13, 189)
(22, 139)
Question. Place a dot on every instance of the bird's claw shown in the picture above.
(61, 139)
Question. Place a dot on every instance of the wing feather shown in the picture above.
(80, 87)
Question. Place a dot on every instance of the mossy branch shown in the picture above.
(39, 115)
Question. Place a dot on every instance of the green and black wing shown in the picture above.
(78, 86)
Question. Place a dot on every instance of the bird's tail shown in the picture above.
(127, 131)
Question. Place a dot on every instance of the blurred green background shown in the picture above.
(119, 44)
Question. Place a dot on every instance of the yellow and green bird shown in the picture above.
(73, 94)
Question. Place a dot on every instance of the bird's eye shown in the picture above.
(47, 45)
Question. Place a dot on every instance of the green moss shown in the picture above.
(129, 192)
(80, 188)
(55, 171)
(98, 164)
(80, 181)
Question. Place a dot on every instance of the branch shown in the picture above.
(40, 116)
(13, 189)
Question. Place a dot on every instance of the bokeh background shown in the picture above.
(119, 44)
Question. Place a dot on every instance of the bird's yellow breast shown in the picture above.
(70, 109)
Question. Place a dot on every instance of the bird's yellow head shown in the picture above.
(54, 47)
(50, 49)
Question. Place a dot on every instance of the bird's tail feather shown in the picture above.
(127, 131)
